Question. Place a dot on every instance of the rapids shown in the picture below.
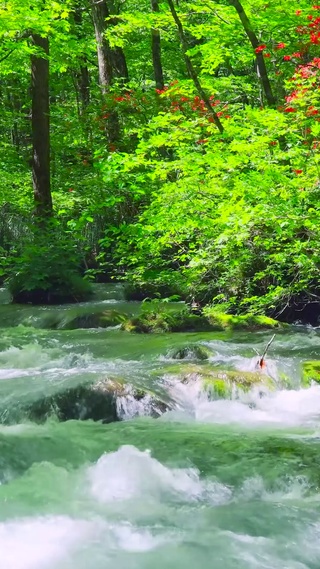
(223, 484)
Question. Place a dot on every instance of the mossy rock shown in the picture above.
(78, 403)
(104, 319)
(224, 384)
(221, 321)
(166, 320)
(218, 383)
(92, 401)
(310, 372)
(191, 352)
(155, 321)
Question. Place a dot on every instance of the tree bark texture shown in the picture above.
(156, 51)
(41, 127)
(82, 76)
(111, 61)
(99, 14)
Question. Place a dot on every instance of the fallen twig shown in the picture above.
(261, 363)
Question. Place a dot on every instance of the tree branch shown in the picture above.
(191, 69)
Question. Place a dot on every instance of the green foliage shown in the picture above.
(47, 271)
(171, 206)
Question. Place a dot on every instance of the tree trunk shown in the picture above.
(119, 62)
(156, 51)
(191, 70)
(82, 75)
(99, 14)
(261, 65)
(112, 62)
(41, 127)
(83, 85)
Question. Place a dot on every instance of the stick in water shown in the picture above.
(261, 362)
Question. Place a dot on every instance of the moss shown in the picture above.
(310, 372)
(222, 321)
(222, 382)
(220, 388)
(164, 320)
(160, 320)
(218, 383)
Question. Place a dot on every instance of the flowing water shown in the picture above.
(225, 484)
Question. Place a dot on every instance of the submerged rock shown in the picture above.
(310, 372)
(79, 319)
(104, 319)
(191, 352)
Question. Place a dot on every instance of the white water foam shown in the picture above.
(184, 517)
(130, 474)
(37, 543)
(130, 407)
(285, 408)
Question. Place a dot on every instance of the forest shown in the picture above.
(173, 145)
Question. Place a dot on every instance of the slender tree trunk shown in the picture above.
(156, 51)
(14, 103)
(82, 76)
(191, 70)
(99, 14)
(261, 65)
(83, 84)
(41, 128)
(119, 62)
(112, 62)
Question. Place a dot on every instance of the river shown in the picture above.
(225, 484)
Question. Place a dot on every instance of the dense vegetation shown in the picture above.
(182, 154)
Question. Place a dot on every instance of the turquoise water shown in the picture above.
(225, 484)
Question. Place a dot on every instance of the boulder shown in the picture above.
(107, 400)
